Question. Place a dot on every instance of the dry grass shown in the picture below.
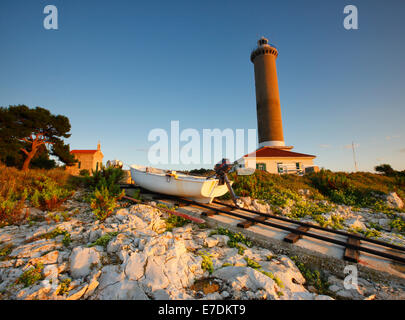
(45, 189)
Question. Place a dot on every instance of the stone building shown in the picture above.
(90, 160)
(277, 160)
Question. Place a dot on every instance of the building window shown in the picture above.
(96, 166)
(261, 166)
(80, 164)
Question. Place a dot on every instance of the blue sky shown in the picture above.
(119, 69)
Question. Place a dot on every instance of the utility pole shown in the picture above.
(354, 158)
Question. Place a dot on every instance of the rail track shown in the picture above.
(353, 244)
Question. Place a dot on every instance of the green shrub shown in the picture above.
(174, 221)
(361, 189)
(104, 240)
(48, 195)
(234, 238)
(64, 287)
(103, 202)
(84, 173)
(66, 239)
(45, 189)
(107, 178)
(275, 189)
(398, 224)
(207, 263)
(252, 264)
(6, 250)
(11, 208)
(313, 277)
(31, 276)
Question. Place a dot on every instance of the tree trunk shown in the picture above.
(27, 161)
(34, 147)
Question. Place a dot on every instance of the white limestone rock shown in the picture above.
(394, 201)
(51, 272)
(109, 275)
(222, 239)
(245, 277)
(116, 244)
(210, 242)
(35, 249)
(323, 297)
(135, 266)
(261, 206)
(385, 224)
(82, 260)
(122, 290)
(78, 292)
(155, 278)
(355, 223)
(49, 258)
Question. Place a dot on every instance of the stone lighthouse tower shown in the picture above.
(269, 123)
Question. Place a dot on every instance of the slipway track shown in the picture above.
(352, 244)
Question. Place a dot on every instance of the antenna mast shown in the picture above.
(354, 158)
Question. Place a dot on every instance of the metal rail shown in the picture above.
(295, 230)
(304, 233)
(313, 226)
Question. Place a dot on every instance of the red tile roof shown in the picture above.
(268, 152)
(83, 151)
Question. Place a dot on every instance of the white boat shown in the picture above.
(199, 189)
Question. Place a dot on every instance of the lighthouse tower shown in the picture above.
(269, 123)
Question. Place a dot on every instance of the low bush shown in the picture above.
(104, 240)
(103, 202)
(360, 189)
(207, 263)
(84, 173)
(31, 276)
(312, 277)
(45, 189)
(11, 208)
(6, 250)
(49, 196)
(398, 224)
(174, 221)
(234, 237)
(64, 287)
(108, 178)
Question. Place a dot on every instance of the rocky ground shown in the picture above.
(132, 255)
(365, 221)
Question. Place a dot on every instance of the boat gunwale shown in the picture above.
(182, 177)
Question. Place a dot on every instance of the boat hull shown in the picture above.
(198, 189)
